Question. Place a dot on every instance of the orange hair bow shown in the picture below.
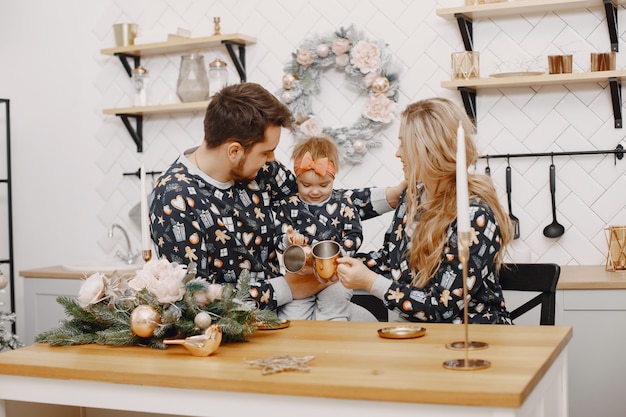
(321, 166)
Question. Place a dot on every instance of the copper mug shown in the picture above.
(325, 254)
(297, 259)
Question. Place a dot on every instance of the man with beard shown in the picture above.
(214, 205)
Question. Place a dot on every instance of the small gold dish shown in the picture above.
(282, 324)
(401, 332)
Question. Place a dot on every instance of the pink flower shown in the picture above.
(161, 278)
(92, 290)
(312, 126)
(304, 57)
(365, 57)
(340, 46)
(379, 108)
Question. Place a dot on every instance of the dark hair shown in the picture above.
(242, 112)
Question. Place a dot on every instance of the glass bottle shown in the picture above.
(218, 76)
(193, 84)
(140, 82)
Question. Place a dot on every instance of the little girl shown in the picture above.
(318, 213)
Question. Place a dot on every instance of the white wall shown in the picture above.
(68, 158)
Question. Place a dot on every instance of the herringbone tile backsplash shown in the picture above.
(589, 189)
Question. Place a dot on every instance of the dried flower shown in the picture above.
(304, 58)
(340, 46)
(161, 278)
(312, 126)
(379, 108)
(92, 290)
(366, 57)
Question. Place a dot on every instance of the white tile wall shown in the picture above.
(510, 120)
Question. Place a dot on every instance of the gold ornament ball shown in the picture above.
(143, 320)
(359, 146)
(286, 97)
(202, 320)
(380, 84)
(4, 281)
(288, 80)
(322, 50)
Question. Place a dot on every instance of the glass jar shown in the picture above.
(218, 76)
(193, 84)
(140, 82)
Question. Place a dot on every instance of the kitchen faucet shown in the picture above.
(129, 257)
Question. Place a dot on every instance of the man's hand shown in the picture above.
(393, 193)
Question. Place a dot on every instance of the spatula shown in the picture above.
(514, 219)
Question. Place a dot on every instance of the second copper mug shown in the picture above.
(325, 254)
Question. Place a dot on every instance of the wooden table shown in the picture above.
(354, 371)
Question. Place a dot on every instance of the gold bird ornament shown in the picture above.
(200, 345)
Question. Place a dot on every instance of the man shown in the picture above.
(214, 204)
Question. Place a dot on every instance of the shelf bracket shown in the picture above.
(238, 60)
(469, 101)
(611, 20)
(616, 98)
(135, 133)
(124, 60)
(467, 32)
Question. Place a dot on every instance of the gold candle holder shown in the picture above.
(466, 363)
(465, 65)
(146, 254)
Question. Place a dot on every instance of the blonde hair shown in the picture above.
(428, 132)
(319, 147)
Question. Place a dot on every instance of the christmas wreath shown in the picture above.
(161, 301)
(367, 65)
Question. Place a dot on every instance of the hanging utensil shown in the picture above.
(514, 219)
(554, 229)
(487, 168)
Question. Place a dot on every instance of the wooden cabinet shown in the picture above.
(235, 45)
(467, 88)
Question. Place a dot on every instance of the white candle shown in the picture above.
(462, 195)
(145, 227)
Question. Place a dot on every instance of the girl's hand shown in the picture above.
(353, 274)
(296, 238)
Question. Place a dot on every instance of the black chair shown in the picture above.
(540, 278)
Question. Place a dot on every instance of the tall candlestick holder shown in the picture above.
(466, 345)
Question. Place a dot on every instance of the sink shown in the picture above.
(102, 267)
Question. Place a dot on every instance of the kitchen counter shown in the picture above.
(573, 277)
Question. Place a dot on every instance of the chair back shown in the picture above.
(540, 278)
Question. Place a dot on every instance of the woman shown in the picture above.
(417, 272)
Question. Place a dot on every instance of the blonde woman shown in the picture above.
(417, 272)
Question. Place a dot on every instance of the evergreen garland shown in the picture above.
(108, 321)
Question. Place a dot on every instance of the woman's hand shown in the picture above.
(354, 275)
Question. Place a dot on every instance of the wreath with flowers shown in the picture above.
(368, 65)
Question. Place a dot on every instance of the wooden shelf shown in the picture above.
(530, 80)
(179, 45)
(508, 8)
(468, 88)
(159, 109)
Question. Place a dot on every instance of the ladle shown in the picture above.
(554, 229)
(514, 219)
